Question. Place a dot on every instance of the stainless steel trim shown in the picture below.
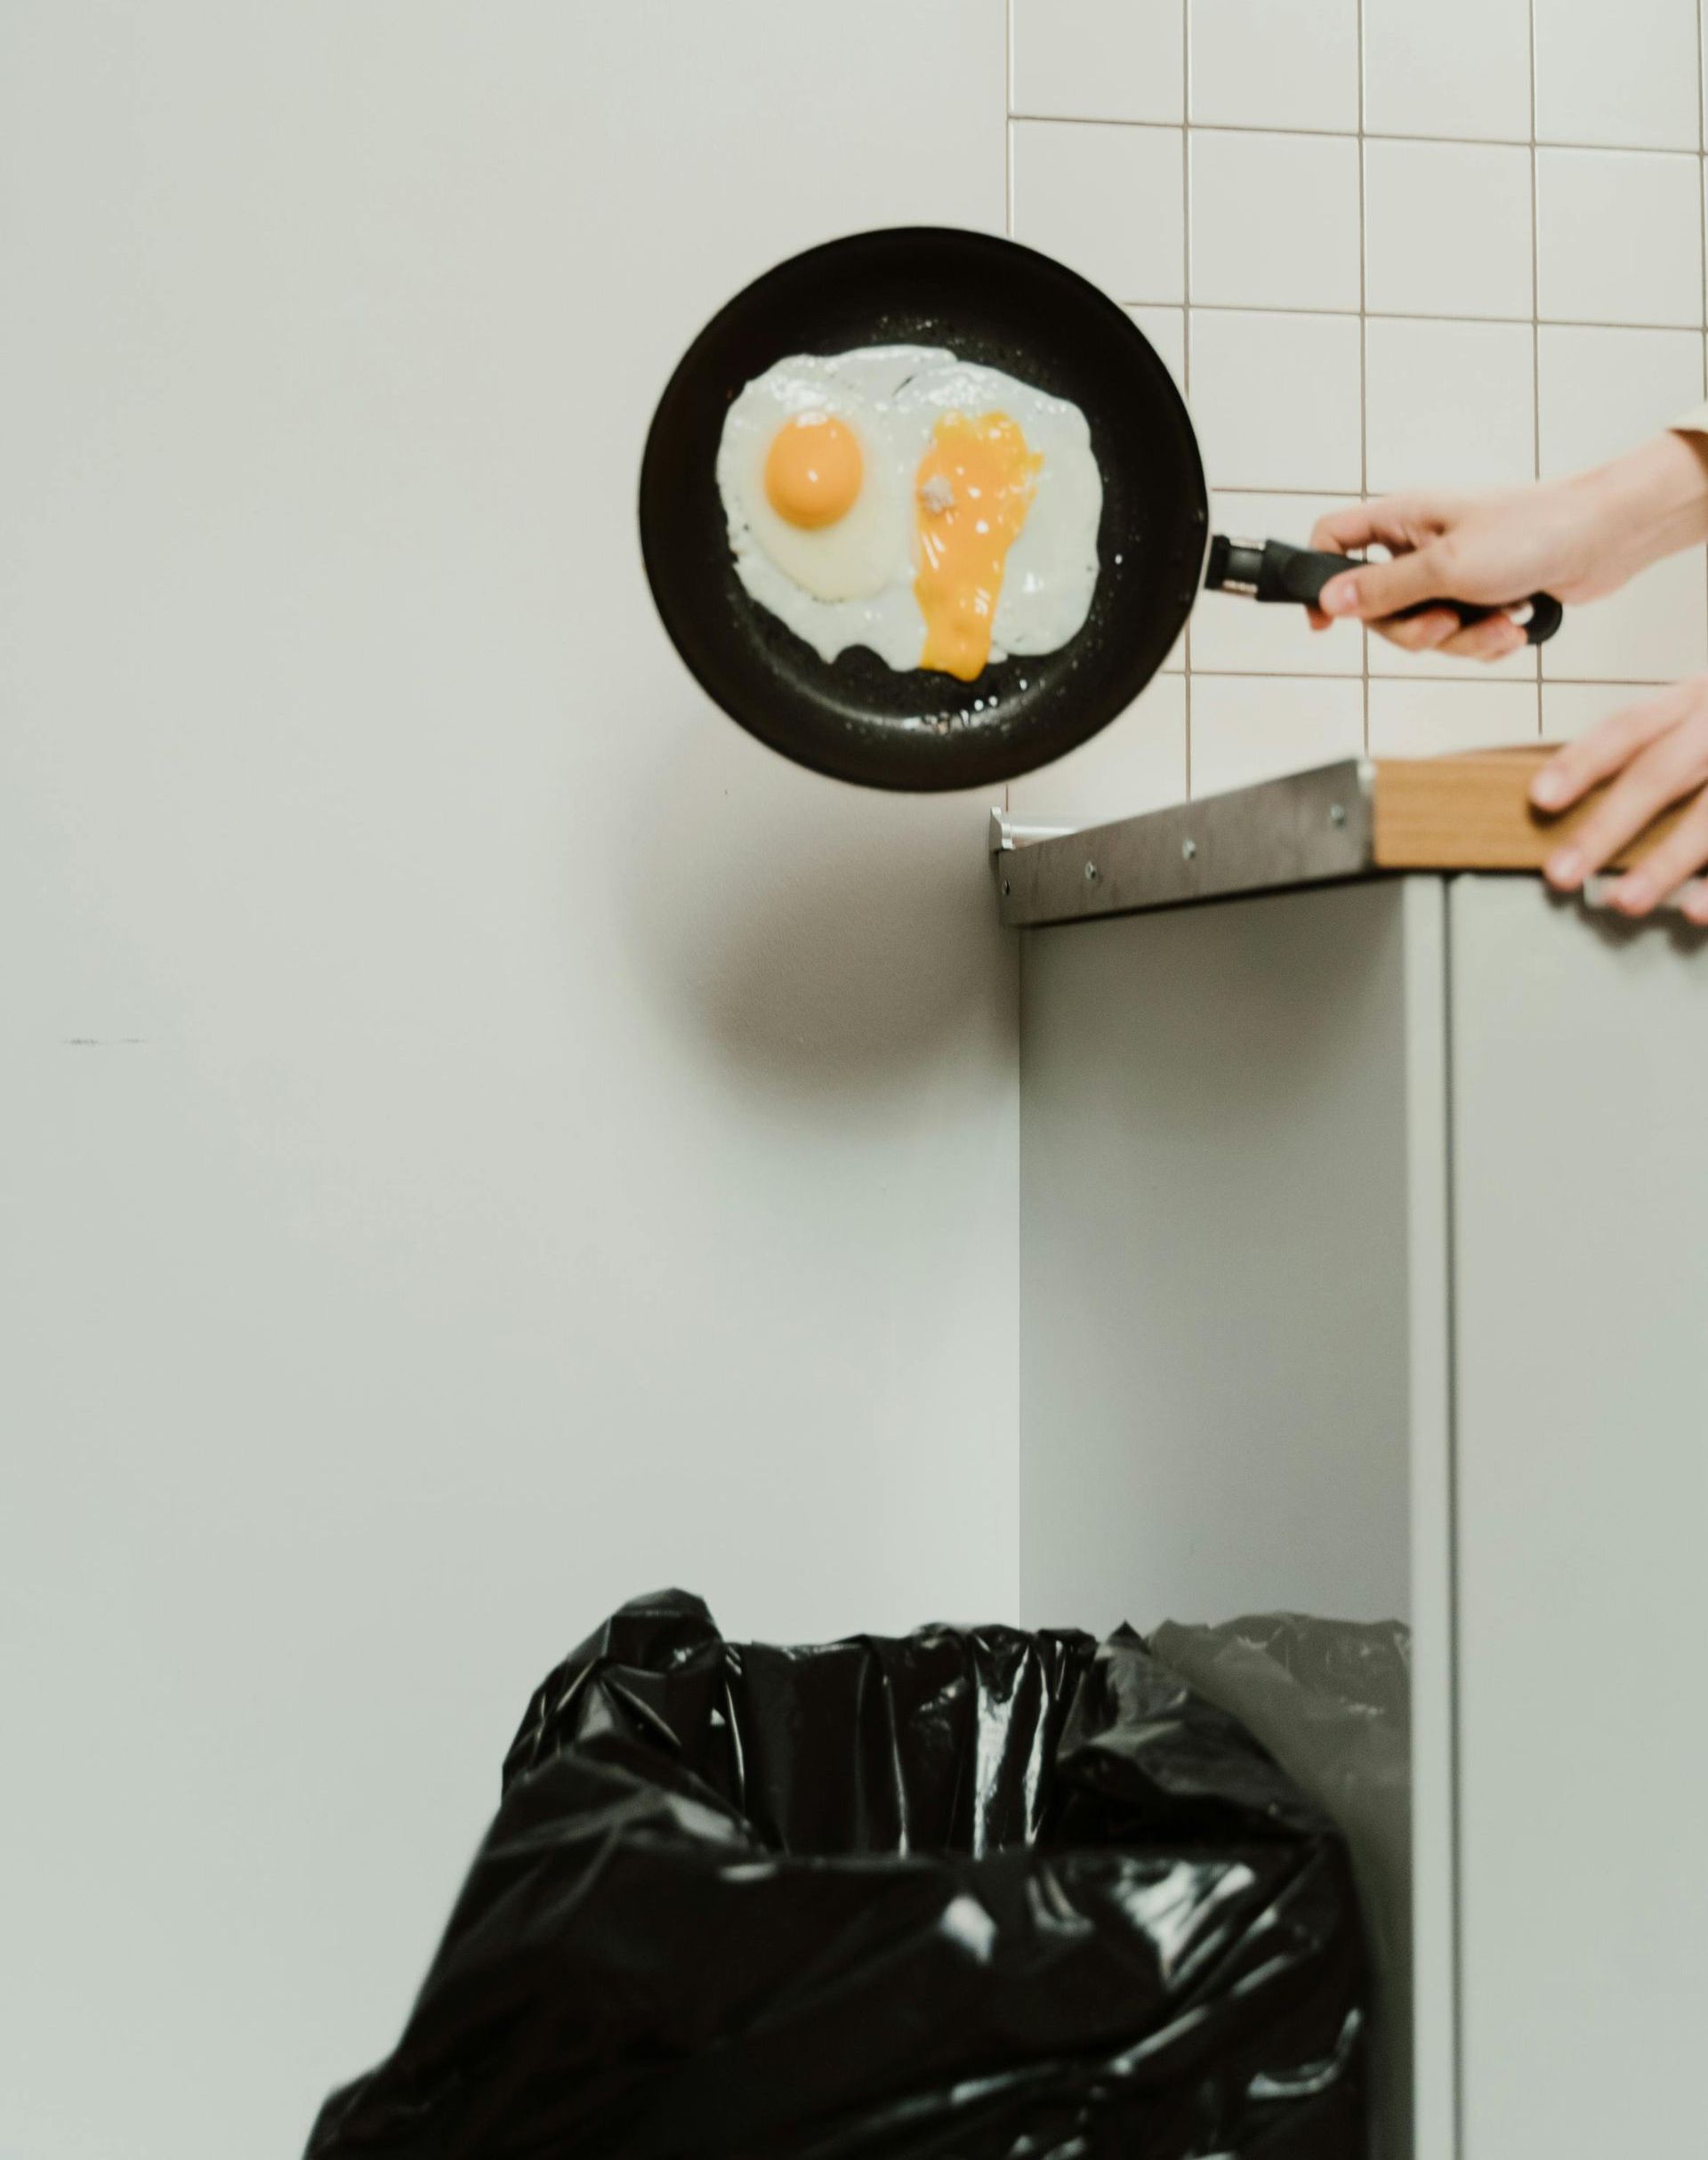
(1006, 833)
(1308, 829)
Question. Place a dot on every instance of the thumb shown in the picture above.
(1374, 590)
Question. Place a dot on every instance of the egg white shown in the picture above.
(852, 583)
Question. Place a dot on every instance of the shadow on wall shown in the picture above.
(818, 935)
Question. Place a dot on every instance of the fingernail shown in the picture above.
(1565, 869)
(1548, 789)
(1339, 596)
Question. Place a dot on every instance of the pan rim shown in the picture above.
(977, 759)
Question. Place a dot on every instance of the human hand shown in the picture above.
(1658, 750)
(1579, 539)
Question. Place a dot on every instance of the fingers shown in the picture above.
(1398, 521)
(1693, 904)
(1423, 633)
(1665, 866)
(1495, 638)
(1608, 746)
(1373, 590)
(1674, 764)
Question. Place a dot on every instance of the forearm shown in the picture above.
(1651, 502)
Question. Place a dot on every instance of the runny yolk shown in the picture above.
(983, 475)
(813, 472)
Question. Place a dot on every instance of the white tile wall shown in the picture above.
(1393, 245)
(1448, 67)
(1137, 763)
(1603, 390)
(1655, 630)
(1424, 719)
(1451, 403)
(1619, 236)
(1275, 63)
(1097, 60)
(1111, 201)
(1624, 73)
(1275, 398)
(1574, 708)
(1273, 221)
(1447, 227)
(1250, 728)
(1165, 328)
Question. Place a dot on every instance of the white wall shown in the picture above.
(1385, 244)
(482, 1137)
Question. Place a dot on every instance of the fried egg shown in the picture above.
(941, 513)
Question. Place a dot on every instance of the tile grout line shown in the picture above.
(1535, 313)
(1364, 354)
(1397, 315)
(1477, 677)
(1702, 202)
(1347, 134)
(1008, 186)
(1186, 319)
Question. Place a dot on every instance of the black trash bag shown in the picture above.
(1331, 1701)
(973, 1894)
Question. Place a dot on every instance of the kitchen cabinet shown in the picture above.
(1365, 1272)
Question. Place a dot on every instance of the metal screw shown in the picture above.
(1007, 888)
(1337, 813)
(1189, 849)
(1092, 873)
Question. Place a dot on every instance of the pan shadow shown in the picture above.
(819, 937)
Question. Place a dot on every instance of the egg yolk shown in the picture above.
(974, 488)
(813, 472)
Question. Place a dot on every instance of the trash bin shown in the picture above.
(974, 1894)
(1331, 1701)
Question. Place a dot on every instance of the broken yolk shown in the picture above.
(974, 488)
(814, 470)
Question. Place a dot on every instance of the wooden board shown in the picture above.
(1473, 812)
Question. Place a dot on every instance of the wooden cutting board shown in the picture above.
(1472, 812)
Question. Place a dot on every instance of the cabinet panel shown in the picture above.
(1580, 1138)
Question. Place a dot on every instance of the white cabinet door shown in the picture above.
(1580, 1198)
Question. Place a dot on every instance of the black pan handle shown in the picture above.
(1272, 571)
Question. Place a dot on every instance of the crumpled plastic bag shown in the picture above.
(1331, 1701)
(973, 1894)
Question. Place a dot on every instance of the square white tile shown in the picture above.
(1137, 763)
(1570, 709)
(1275, 221)
(1459, 68)
(1249, 728)
(1604, 390)
(1275, 398)
(1433, 719)
(1276, 63)
(1231, 635)
(1654, 630)
(1165, 328)
(1624, 74)
(1447, 229)
(1108, 201)
(1620, 236)
(1097, 60)
(1450, 404)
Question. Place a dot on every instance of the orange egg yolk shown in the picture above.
(813, 472)
(974, 488)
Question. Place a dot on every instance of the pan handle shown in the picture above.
(1272, 571)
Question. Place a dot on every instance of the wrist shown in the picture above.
(1649, 503)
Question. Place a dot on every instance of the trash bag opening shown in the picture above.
(970, 1893)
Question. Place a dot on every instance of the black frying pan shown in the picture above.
(990, 301)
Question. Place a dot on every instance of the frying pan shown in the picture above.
(991, 301)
